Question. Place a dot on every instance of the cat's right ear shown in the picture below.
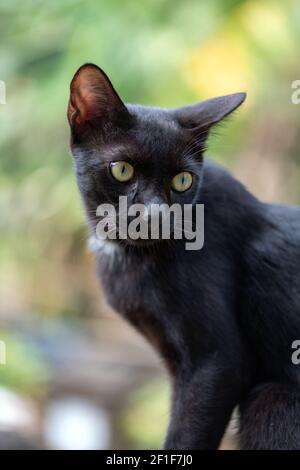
(93, 100)
(203, 115)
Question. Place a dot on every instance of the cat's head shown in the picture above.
(148, 154)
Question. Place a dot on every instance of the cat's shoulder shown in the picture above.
(219, 181)
(214, 173)
(210, 167)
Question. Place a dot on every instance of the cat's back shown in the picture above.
(264, 241)
(279, 241)
(272, 290)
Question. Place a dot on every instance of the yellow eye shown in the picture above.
(182, 182)
(122, 171)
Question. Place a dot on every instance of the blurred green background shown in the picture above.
(67, 354)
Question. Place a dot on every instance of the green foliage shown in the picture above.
(25, 370)
(145, 420)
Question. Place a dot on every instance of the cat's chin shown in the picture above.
(139, 243)
(110, 246)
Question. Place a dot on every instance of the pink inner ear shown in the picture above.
(85, 102)
(92, 96)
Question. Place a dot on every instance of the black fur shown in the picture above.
(223, 318)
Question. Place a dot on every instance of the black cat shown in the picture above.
(223, 318)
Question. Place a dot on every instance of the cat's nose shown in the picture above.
(153, 216)
(153, 209)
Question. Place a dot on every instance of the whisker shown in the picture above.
(194, 141)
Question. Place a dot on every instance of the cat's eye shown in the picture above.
(182, 182)
(122, 171)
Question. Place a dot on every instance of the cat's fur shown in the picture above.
(223, 318)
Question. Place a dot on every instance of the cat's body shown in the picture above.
(223, 318)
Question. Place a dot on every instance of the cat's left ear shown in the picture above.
(203, 115)
(93, 100)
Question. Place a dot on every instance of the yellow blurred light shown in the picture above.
(224, 63)
(267, 23)
(220, 65)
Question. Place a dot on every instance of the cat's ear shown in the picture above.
(93, 99)
(203, 115)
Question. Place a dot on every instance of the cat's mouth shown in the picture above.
(119, 238)
(132, 232)
(142, 242)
